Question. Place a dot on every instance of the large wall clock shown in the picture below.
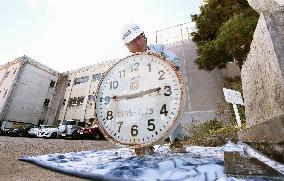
(139, 100)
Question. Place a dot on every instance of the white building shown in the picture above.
(26, 90)
(79, 97)
(33, 93)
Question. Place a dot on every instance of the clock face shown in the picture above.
(139, 100)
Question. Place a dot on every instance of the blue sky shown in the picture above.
(69, 34)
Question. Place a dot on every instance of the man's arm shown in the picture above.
(168, 54)
(171, 56)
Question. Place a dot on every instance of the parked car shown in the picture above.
(21, 131)
(74, 132)
(91, 133)
(2, 132)
(65, 127)
(70, 129)
(5, 131)
(61, 131)
(35, 129)
(48, 133)
(8, 131)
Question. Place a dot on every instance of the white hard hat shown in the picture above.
(130, 32)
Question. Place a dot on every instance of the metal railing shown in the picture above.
(175, 34)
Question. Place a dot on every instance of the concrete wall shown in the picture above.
(204, 89)
(275, 22)
(262, 73)
(265, 5)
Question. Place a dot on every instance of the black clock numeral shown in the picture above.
(121, 73)
(164, 110)
(168, 90)
(119, 126)
(149, 65)
(151, 126)
(135, 67)
(113, 84)
(162, 75)
(134, 130)
(109, 115)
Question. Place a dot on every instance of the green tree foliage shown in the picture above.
(224, 31)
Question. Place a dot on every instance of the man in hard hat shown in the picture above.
(135, 40)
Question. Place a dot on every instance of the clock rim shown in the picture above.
(175, 120)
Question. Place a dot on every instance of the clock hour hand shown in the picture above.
(139, 94)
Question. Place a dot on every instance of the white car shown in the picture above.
(35, 129)
(62, 130)
(65, 128)
(48, 133)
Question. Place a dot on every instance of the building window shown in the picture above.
(46, 102)
(5, 93)
(85, 79)
(63, 102)
(77, 81)
(6, 74)
(52, 83)
(80, 100)
(68, 83)
(81, 80)
(97, 77)
(75, 101)
(72, 102)
(40, 122)
(91, 98)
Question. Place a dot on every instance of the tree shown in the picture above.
(224, 31)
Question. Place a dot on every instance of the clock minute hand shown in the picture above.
(139, 94)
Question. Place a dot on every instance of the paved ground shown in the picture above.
(12, 148)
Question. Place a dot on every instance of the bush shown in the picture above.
(213, 133)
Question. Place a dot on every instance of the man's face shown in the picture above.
(139, 44)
